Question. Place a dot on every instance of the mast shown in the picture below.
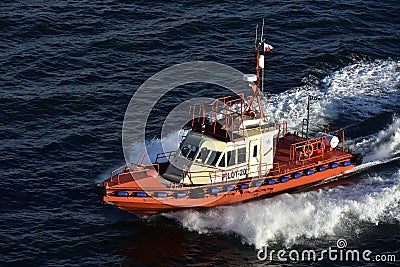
(262, 61)
(261, 49)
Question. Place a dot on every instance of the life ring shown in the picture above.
(308, 150)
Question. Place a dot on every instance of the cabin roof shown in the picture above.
(218, 131)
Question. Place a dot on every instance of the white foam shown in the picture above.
(358, 91)
(383, 145)
(364, 89)
(291, 106)
(314, 214)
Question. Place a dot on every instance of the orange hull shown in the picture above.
(153, 205)
(136, 188)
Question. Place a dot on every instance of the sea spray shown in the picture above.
(313, 214)
(357, 91)
(383, 145)
(151, 148)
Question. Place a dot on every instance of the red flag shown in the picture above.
(268, 48)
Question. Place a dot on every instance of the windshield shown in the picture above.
(208, 157)
(189, 151)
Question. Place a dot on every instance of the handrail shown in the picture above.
(304, 150)
(232, 119)
(283, 125)
(132, 168)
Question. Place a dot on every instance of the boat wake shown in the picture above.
(382, 146)
(289, 218)
(358, 91)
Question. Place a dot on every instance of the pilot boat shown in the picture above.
(233, 152)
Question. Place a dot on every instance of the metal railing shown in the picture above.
(307, 149)
(133, 167)
(224, 113)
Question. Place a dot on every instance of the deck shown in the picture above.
(286, 160)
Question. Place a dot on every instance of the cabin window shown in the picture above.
(228, 157)
(222, 161)
(231, 157)
(203, 154)
(255, 151)
(214, 157)
(241, 155)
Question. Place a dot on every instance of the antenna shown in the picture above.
(261, 49)
(262, 69)
(262, 32)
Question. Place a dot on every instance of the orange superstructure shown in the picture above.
(232, 152)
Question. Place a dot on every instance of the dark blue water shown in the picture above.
(69, 69)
